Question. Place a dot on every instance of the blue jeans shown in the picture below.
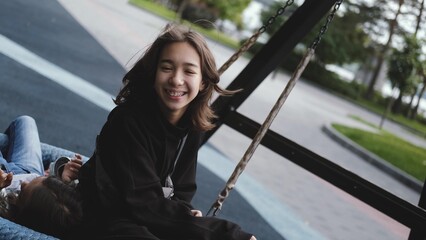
(22, 153)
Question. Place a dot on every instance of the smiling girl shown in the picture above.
(141, 179)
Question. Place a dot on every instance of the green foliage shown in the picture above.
(279, 21)
(162, 11)
(343, 42)
(368, 14)
(402, 154)
(363, 121)
(402, 66)
(200, 14)
(152, 6)
(316, 73)
(402, 63)
(226, 9)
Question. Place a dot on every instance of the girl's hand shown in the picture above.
(196, 213)
(5, 179)
(71, 169)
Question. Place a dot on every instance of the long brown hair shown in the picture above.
(139, 81)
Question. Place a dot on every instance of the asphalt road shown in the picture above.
(47, 30)
(97, 40)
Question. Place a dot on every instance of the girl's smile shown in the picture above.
(176, 94)
(178, 79)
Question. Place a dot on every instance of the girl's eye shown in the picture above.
(166, 68)
(190, 72)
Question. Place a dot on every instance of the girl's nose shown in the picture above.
(176, 79)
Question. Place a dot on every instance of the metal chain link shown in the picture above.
(247, 44)
(326, 24)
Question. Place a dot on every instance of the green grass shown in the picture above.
(417, 126)
(398, 152)
(155, 8)
(170, 15)
(364, 121)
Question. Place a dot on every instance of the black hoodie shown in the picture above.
(121, 184)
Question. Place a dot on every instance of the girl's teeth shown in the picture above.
(175, 94)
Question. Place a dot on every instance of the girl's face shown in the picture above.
(178, 79)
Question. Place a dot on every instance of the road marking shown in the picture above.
(279, 217)
(59, 75)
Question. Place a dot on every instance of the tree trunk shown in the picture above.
(419, 17)
(180, 9)
(408, 109)
(396, 108)
(381, 57)
(422, 91)
(387, 110)
(411, 113)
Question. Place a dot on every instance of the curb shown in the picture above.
(375, 160)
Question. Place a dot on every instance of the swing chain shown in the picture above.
(271, 19)
(247, 44)
(230, 184)
(326, 24)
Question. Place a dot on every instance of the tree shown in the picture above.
(279, 20)
(230, 10)
(402, 65)
(223, 9)
(344, 41)
(392, 25)
(181, 6)
(422, 73)
(411, 113)
(412, 90)
(419, 16)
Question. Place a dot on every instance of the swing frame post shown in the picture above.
(263, 63)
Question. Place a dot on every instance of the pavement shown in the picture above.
(90, 43)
